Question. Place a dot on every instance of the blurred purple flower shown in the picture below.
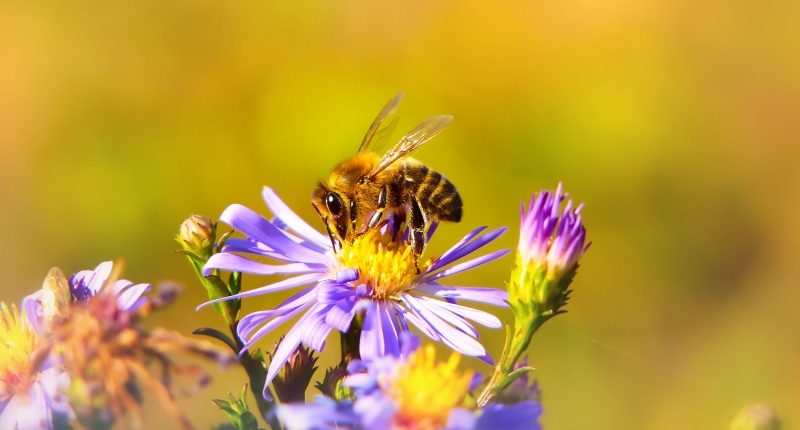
(409, 391)
(86, 284)
(368, 276)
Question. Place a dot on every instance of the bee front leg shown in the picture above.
(375, 219)
(335, 243)
(416, 232)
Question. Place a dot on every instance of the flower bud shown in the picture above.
(550, 246)
(292, 380)
(759, 416)
(197, 235)
(332, 387)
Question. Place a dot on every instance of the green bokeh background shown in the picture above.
(676, 122)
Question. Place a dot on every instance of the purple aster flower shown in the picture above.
(406, 392)
(373, 274)
(551, 242)
(27, 402)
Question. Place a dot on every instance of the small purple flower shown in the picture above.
(373, 274)
(409, 392)
(82, 286)
(88, 283)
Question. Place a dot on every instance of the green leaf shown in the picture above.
(216, 334)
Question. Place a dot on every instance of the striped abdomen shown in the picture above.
(437, 196)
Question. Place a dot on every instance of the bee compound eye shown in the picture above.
(334, 204)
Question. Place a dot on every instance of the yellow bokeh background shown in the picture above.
(675, 122)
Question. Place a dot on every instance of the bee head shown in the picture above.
(337, 210)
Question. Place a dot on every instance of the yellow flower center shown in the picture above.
(17, 341)
(386, 266)
(426, 392)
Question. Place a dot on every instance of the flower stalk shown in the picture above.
(550, 246)
(197, 237)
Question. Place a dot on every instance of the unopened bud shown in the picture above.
(292, 380)
(197, 235)
(759, 416)
(331, 385)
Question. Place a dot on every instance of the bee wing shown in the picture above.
(384, 124)
(420, 134)
(55, 294)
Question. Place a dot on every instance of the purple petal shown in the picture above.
(458, 245)
(480, 317)
(448, 316)
(27, 412)
(465, 266)
(376, 412)
(316, 330)
(519, 416)
(490, 296)
(371, 343)
(409, 342)
(468, 248)
(32, 306)
(237, 263)
(102, 272)
(461, 419)
(294, 222)
(251, 321)
(258, 228)
(278, 286)
(128, 298)
(317, 416)
(330, 292)
(419, 323)
(346, 275)
(268, 327)
(342, 313)
(290, 343)
(249, 246)
(391, 341)
(450, 336)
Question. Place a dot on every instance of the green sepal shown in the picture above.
(216, 290)
(221, 242)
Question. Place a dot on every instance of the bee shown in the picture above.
(365, 186)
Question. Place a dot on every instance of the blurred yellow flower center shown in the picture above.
(17, 341)
(426, 392)
(386, 266)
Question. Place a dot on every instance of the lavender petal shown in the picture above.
(278, 286)
(490, 296)
(237, 263)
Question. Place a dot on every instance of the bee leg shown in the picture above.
(375, 219)
(335, 243)
(416, 232)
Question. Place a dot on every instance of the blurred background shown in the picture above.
(675, 122)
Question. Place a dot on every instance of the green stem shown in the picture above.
(524, 328)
